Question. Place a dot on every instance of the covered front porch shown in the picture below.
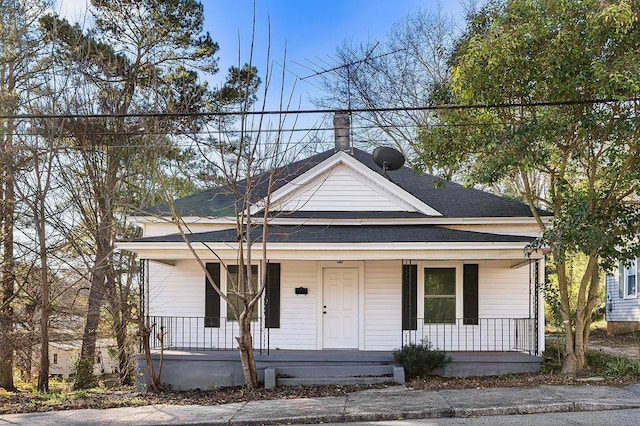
(339, 321)
(199, 357)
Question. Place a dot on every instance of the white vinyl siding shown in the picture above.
(298, 312)
(503, 294)
(176, 290)
(339, 188)
(382, 305)
(620, 308)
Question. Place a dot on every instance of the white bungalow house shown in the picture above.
(360, 262)
(623, 302)
(63, 357)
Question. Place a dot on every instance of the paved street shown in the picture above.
(583, 405)
(582, 418)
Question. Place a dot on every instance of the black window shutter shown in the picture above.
(272, 296)
(409, 297)
(211, 297)
(470, 294)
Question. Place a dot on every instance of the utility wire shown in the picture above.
(321, 111)
(214, 132)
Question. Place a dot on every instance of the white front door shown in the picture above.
(340, 308)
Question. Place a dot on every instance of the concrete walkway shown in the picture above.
(371, 405)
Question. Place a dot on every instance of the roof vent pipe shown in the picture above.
(342, 129)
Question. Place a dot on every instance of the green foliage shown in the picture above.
(620, 366)
(552, 306)
(241, 86)
(524, 52)
(575, 266)
(419, 360)
(552, 358)
(84, 378)
(598, 362)
(534, 75)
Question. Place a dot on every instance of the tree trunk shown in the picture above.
(84, 371)
(124, 367)
(103, 236)
(245, 346)
(577, 334)
(570, 360)
(39, 210)
(43, 375)
(8, 265)
(119, 293)
(155, 383)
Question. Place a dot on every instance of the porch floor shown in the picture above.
(282, 355)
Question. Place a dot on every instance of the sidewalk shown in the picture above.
(370, 405)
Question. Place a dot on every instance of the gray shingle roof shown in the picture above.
(346, 234)
(451, 199)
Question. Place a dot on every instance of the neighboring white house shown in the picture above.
(64, 355)
(359, 259)
(623, 302)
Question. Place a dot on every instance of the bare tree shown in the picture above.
(402, 72)
(18, 52)
(141, 56)
(247, 159)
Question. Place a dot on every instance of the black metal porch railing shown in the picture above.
(197, 333)
(483, 334)
(479, 334)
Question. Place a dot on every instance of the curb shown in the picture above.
(562, 407)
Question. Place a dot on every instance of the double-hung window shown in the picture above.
(440, 295)
(630, 277)
(235, 286)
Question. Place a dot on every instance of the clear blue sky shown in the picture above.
(311, 30)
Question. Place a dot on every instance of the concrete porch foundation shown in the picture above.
(189, 370)
(622, 327)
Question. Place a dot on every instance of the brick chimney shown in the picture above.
(342, 128)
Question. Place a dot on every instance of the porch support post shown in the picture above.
(540, 312)
(144, 294)
(535, 307)
(536, 275)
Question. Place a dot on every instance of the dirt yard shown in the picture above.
(626, 345)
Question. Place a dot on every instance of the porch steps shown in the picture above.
(333, 373)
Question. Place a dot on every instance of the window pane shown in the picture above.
(440, 310)
(440, 281)
(233, 285)
(439, 295)
(631, 285)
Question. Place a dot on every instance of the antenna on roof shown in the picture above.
(388, 158)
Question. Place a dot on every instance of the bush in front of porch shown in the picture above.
(420, 359)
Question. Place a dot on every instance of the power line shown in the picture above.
(214, 132)
(320, 111)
